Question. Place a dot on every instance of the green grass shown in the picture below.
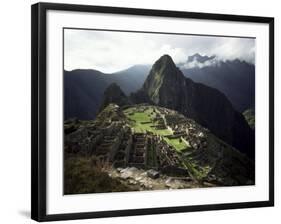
(250, 117)
(137, 119)
(176, 143)
(196, 173)
(147, 116)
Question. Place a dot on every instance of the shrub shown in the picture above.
(88, 175)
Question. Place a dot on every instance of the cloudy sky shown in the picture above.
(109, 51)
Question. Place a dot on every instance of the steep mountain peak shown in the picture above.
(166, 86)
(164, 76)
(165, 59)
(114, 94)
(164, 65)
(113, 88)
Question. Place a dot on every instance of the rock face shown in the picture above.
(153, 174)
(84, 88)
(250, 117)
(235, 78)
(166, 86)
(146, 160)
(114, 94)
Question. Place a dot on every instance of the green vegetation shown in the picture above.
(143, 121)
(108, 114)
(177, 143)
(88, 175)
(197, 172)
(250, 117)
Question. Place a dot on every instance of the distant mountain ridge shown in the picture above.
(235, 78)
(166, 86)
(84, 88)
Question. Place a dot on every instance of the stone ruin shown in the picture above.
(138, 152)
(117, 144)
(186, 130)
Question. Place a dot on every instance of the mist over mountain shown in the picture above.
(84, 88)
(166, 86)
(200, 58)
(236, 79)
(145, 111)
(130, 79)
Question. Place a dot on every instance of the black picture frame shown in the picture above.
(39, 122)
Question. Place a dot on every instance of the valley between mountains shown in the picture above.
(167, 133)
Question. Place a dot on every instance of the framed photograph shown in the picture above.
(140, 111)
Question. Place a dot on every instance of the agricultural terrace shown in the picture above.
(142, 119)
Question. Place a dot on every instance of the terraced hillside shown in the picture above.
(200, 151)
(147, 119)
(144, 147)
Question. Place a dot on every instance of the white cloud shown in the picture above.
(196, 63)
(112, 51)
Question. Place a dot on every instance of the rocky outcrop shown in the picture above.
(114, 94)
(147, 159)
(235, 78)
(166, 86)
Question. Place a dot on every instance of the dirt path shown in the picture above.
(139, 178)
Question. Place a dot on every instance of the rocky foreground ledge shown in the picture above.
(151, 179)
(145, 147)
